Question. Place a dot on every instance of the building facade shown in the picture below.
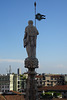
(50, 80)
(9, 82)
(6, 83)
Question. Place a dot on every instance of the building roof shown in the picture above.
(51, 75)
(55, 99)
(59, 99)
(11, 97)
(1, 97)
(18, 93)
(39, 76)
(14, 97)
(54, 88)
(56, 76)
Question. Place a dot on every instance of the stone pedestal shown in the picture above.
(31, 90)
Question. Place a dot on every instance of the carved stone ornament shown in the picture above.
(31, 63)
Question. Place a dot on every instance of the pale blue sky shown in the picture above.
(52, 39)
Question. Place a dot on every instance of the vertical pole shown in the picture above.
(35, 12)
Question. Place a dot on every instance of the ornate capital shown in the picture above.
(31, 63)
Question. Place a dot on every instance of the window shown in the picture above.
(43, 77)
(18, 82)
(40, 78)
(2, 90)
(64, 92)
(37, 82)
(41, 82)
(2, 86)
(7, 86)
(18, 89)
(6, 90)
(18, 86)
(55, 82)
(64, 96)
(37, 78)
(51, 84)
(47, 80)
(47, 84)
(2, 78)
(51, 78)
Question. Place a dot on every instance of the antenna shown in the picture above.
(35, 12)
(9, 69)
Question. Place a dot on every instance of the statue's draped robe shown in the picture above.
(30, 40)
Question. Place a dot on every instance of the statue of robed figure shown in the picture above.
(30, 39)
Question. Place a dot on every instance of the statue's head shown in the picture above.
(30, 22)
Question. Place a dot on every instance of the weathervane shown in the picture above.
(38, 16)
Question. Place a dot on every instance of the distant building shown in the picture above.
(9, 82)
(58, 89)
(65, 76)
(50, 80)
(18, 71)
(15, 82)
(6, 83)
(25, 74)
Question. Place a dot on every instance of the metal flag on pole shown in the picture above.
(38, 16)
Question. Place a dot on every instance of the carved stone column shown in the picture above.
(31, 90)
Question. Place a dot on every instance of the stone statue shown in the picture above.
(30, 39)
